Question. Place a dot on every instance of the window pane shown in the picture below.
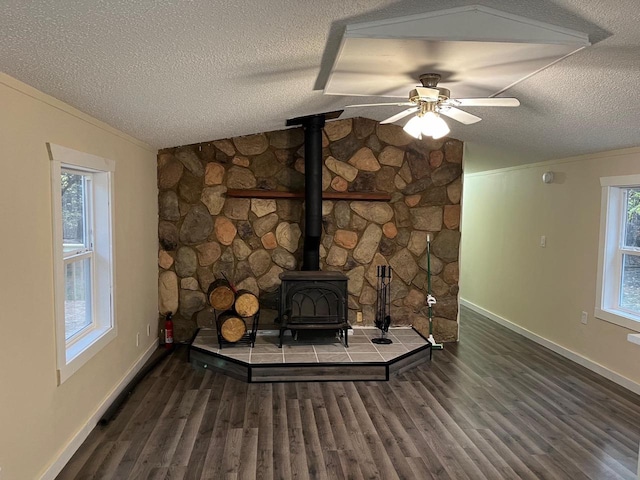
(73, 212)
(77, 302)
(632, 217)
(630, 291)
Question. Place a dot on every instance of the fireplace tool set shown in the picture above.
(383, 312)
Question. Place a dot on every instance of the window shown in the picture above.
(618, 295)
(83, 256)
(77, 248)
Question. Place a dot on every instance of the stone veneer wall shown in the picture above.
(203, 233)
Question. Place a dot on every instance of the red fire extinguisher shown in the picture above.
(168, 332)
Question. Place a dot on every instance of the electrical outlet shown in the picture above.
(584, 318)
(359, 317)
(148, 330)
(138, 339)
(543, 241)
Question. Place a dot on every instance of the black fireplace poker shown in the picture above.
(312, 125)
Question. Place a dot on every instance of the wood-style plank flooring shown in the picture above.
(494, 406)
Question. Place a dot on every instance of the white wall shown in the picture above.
(38, 418)
(544, 290)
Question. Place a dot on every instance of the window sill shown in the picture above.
(634, 338)
(83, 350)
(619, 318)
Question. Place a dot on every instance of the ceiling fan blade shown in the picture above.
(459, 115)
(400, 115)
(402, 104)
(487, 102)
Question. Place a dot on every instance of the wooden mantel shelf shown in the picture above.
(367, 197)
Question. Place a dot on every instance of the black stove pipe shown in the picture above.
(312, 192)
(312, 125)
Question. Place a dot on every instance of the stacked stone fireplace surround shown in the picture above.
(203, 232)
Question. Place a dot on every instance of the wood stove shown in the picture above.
(312, 299)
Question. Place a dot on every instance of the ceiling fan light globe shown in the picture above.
(442, 130)
(438, 135)
(414, 127)
(434, 126)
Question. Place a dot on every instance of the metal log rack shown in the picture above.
(248, 339)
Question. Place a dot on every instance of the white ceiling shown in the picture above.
(175, 72)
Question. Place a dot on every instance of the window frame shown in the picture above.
(73, 353)
(611, 250)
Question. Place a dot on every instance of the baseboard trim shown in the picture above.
(56, 467)
(559, 349)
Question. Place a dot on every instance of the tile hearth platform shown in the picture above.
(319, 359)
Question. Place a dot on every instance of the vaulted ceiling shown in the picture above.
(172, 72)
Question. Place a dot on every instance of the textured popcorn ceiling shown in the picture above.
(175, 72)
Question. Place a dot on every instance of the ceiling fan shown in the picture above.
(429, 101)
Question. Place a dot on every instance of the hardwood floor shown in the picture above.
(494, 406)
